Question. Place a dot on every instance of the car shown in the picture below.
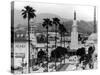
(73, 59)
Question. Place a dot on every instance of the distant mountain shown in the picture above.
(39, 18)
(21, 24)
(83, 26)
(18, 19)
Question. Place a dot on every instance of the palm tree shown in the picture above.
(47, 22)
(56, 22)
(62, 31)
(29, 13)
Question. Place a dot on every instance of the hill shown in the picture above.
(20, 23)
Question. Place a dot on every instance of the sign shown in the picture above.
(19, 55)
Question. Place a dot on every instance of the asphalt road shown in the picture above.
(63, 68)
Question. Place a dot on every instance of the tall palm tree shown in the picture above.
(29, 13)
(62, 31)
(56, 22)
(47, 22)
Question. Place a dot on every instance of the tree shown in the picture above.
(29, 13)
(41, 55)
(59, 52)
(62, 31)
(47, 22)
(56, 22)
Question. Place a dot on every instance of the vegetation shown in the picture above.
(47, 22)
(62, 31)
(29, 13)
(56, 22)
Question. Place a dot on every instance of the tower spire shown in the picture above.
(74, 34)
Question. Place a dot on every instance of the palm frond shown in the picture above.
(23, 10)
(47, 22)
(28, 12)
(31, 15)
(25, 16)
(43, 24)
(56, 21)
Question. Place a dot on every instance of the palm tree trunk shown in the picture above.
(47, 47)
(55, 43)
(61, 40)
(55, 36)
(29, 45)
(64, 40)
(64, 46)
(61, 46)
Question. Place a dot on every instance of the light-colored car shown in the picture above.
(73, 60)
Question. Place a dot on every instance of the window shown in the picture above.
(20, 46)
(18, 35)
(21, 35)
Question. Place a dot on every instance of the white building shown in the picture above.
(21, 51)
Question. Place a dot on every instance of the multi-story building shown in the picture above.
(21, 51)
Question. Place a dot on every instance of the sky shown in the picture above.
(62, 10)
